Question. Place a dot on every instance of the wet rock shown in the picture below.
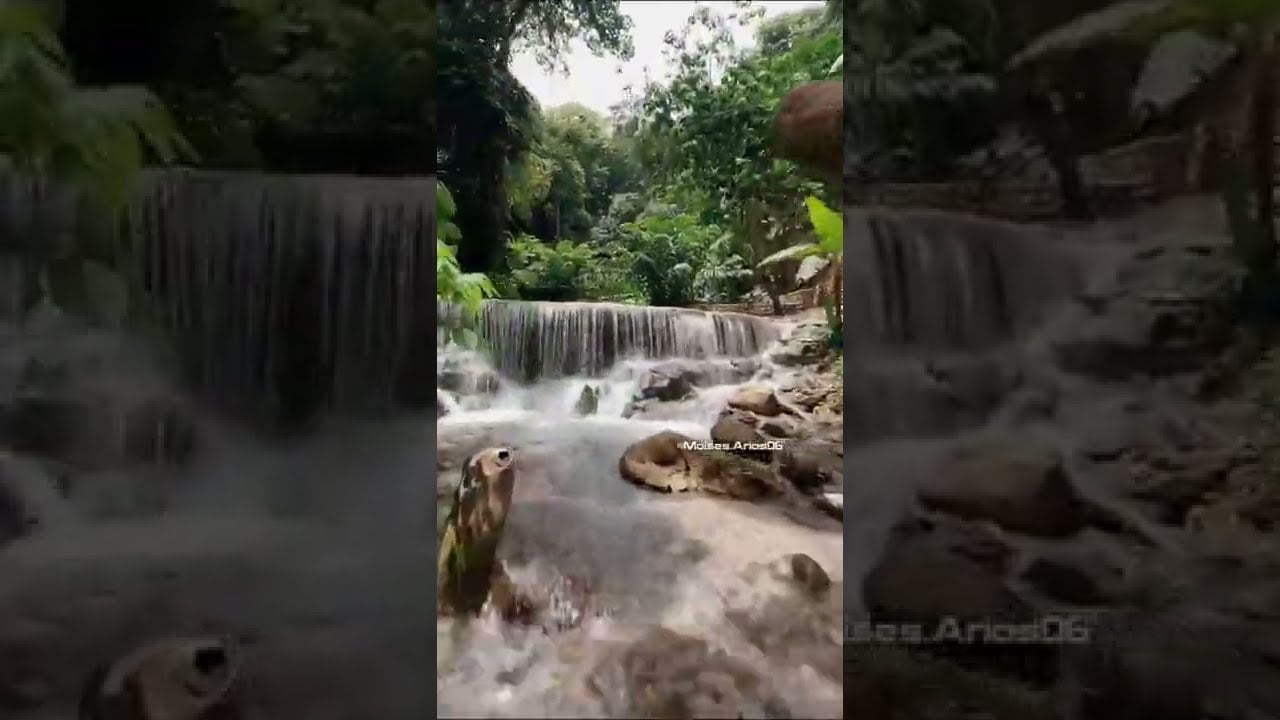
(758, 400)
(738, 432)
(1075, 577)
(1167, 310)
(778, 427)
(442, 406)
(903, 586)
(665, 384)
(809, 466)
(903, 594)
(664, 674)
(468, 381)
(1177, 482)
(1182, 664)
(1021, 488)
(467, 552)
(809, 575)
(670, 462)
(169, 679)
(588, 401)
(807, 344)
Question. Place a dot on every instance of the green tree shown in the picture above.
(1253, 25)
(486, 119)
(93, 140)
(462, 292)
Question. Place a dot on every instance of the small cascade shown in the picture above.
(945, 281)
(532, 340)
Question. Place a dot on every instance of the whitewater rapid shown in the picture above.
(686, 563)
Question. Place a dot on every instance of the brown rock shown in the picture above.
(759, 400)
(667, 462)
(1022, 489)
(1075, 577)
(664, 674)
(809, 467)
(906, 585)
(809, 575)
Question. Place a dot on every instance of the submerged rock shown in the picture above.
(169, 679)
(665, 674)
(665, 384)
(758, 400)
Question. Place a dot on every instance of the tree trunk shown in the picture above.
(1262, 137)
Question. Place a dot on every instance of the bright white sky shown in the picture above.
(598, 82)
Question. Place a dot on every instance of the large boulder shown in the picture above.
(756, 399)
(671, 462)
(1169, 309)
(1023, 488)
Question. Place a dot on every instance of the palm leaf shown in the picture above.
(795, 252)
(1089, 29)
(1176, 66)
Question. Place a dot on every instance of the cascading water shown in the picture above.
(936, 306)
(280, 295)
(649, 559)
(285, 295)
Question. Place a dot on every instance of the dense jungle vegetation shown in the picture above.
(670, 200)
(677, 196)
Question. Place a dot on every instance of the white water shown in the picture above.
(682, 562)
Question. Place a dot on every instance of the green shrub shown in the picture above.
(464, 291)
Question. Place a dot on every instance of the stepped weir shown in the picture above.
(282, 294)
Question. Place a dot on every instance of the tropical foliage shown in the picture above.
(61, 136)
(457, 290)
(670, 199)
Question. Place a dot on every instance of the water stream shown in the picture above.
(680, 562)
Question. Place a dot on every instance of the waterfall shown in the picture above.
(531, 340)
(283, 294)
(937, 307)
(945, 281)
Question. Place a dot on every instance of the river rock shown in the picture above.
(809, 575)
(738, 431)
(1182, 663)
(1075, 576)
(667, 462)
(665, 384)
(808, 344)
(756, 399)
(588, 401)
(810, 466)
(902, 592)
(99, 431)
(464, 380)
(669, 675)
(1021, 487)
(1167, 310)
